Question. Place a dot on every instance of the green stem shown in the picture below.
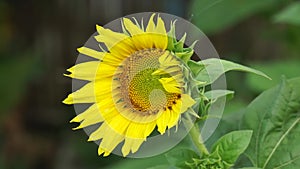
(197, 139)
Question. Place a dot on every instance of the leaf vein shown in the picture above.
(287, 163)
(280, 140)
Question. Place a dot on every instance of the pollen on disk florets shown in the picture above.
(140, 88)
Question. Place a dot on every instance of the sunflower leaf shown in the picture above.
(179, 157)
(179, 46)
(215, 94)
(195, 67)
(232, 145)
(211, 161)
(274, 117)
(185, 56)
(214, 68)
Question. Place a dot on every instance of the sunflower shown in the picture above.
(139, 84)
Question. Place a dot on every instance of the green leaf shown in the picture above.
(290, 14)
(215, 94)
(232, 145)
(185, 55)
(249, 168)
(177, 46)
(195, 67)
(275, 69)
(212, 161)
(214, 16)
(179, 157)
(274, 117)
(214, 68)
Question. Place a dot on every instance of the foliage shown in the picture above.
(275, 125)
(275, 69)
(214, 68)
(289, 15)
(224, 152)
(213, 16)
(275, 22)
(228, 148)
(180, 157)
(270, 122)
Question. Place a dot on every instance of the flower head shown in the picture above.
(141, 82)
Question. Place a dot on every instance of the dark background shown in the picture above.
(38, 41)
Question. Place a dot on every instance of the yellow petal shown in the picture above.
(88, 117)
(174, 115)
(143, 41)
(140, 130)
(168, 65)
(98, 133)
(131, 27)
(140, 39)
(158, 33)
(151, 25)
(131, 144)
(91, 52)
(110, 139)
(149, 129)
(163, 121)
(167, 59)
(161, 39)
(119, 124)
(159, 72)
(108, 37)
(187, 102)
(103, 87)
(106, 70)
(109, 113)
(174, 70)
(83, 95)
(118, 44)
(160, 28)
(84, 71)
(104, 152)
(170, 85)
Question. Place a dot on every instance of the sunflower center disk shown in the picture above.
(142, 86)
(139, 86)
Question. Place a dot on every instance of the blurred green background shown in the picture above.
(38, 41)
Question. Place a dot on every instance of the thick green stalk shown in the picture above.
(195, 135)
(197, 139)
